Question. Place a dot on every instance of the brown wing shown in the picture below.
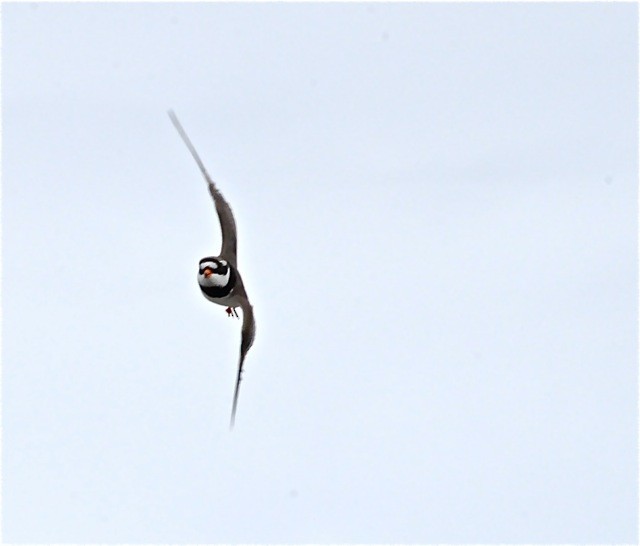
(248, 334)
(227, 223)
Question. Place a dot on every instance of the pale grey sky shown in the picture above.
(437, 214)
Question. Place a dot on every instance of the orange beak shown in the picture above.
(208, 272)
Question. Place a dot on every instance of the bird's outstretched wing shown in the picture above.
(227, 223)
(248, 333)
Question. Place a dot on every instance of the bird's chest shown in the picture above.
(228, 300)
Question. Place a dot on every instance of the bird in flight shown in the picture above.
(218, 276)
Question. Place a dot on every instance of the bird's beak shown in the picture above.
(207, 272)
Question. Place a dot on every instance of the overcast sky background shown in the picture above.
(437, 213)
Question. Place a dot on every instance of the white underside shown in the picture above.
(226, 301)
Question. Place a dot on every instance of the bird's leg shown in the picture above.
(232, 311)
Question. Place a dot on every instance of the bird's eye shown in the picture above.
(208, 265)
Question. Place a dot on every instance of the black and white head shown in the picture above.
(213, 272)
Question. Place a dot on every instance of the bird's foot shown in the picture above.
(231, 311)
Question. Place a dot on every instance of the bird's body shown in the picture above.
(223, 285)
(229, 300)
(218, 276)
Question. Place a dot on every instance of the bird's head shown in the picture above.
(213, 272)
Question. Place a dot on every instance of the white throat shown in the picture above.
(215, 279)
